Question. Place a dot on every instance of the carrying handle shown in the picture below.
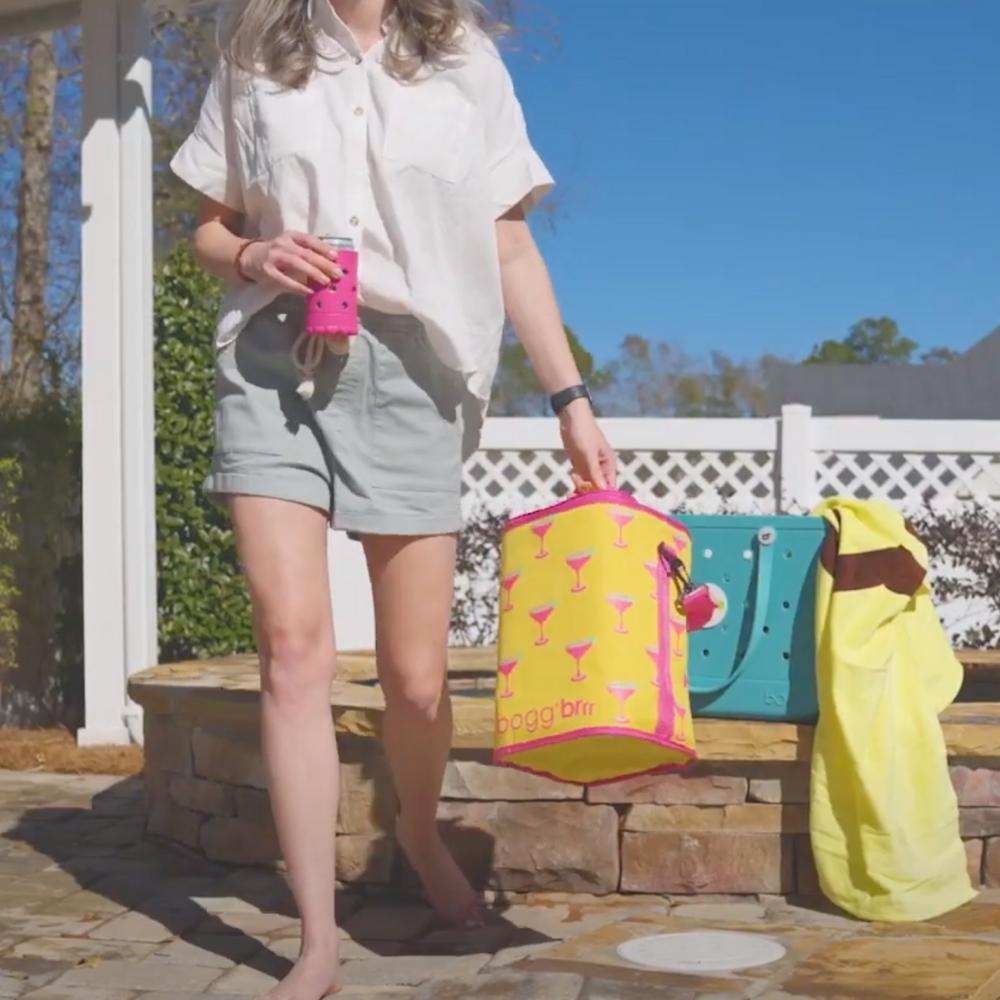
(763, 571)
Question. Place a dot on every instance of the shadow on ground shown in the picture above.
(82, 879)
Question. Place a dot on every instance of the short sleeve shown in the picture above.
(516, 172)
(208, 159)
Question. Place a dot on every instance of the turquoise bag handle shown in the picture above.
(763, 571)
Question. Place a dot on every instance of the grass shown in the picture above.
(55, 750)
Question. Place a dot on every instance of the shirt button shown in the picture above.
(359, 111)
(354, 220)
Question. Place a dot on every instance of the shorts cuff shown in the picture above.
(377, 523)
(310, 491)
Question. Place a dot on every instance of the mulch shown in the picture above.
(55, 750)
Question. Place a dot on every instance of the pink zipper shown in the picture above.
(597, 496)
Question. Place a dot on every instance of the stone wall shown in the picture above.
(739, 829)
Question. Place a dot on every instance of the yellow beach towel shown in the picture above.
(884, 816)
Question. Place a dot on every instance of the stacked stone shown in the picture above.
(739, 829)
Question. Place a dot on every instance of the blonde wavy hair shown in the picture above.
(276, 37)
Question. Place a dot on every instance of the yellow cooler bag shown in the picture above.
(592, 666)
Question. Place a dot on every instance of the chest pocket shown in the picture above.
(432, 131)
(288, 123)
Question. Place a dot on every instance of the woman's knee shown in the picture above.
(419, 696)
(296, 662)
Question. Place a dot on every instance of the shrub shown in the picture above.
(203, 604)
(474, 613)
(964, 548)
(42, 635)
(10, 481)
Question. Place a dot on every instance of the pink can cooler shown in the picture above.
(332, 310)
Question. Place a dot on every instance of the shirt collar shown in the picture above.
(324, 16)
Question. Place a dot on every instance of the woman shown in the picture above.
(395, 124)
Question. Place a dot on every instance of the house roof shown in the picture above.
(967, 388)
(18, 17)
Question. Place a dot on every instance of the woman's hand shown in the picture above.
(591, 457)
(290, 262)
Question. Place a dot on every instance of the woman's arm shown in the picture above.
(534, 314)
(288, 262)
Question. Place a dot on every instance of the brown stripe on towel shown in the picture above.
(895, 568)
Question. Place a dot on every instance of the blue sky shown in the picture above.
(756, 175)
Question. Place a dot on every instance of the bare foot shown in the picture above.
(316, 975)
(446, 887)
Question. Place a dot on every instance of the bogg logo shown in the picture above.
(536, 719)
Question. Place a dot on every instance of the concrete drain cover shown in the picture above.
(700, 952)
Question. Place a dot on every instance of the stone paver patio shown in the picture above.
(89, 910)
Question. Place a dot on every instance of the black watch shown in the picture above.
(560, 400)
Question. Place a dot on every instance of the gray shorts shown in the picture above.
(381, 444)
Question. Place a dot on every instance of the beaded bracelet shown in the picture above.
(238, 262)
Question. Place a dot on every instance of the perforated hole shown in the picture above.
(766, 630)
(786, 655)
(788, 553)
(786, 605)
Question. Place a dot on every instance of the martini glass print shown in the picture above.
(654, 657)
(653, 569)
(506, 668)
(540, 529)
(678, 627)
(621, 603)
(540, 616)
(576, 563)
(508, 583)
(623, 518)
(578, 650)
(622, 692)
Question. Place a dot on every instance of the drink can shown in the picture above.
(332, 310)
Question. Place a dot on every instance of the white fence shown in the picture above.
(768, 465)
(779, 464)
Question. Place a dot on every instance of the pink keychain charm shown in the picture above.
(704, 607)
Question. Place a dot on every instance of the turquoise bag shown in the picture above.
(758, 661)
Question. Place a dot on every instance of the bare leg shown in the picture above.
(282, 547)
(412, 585)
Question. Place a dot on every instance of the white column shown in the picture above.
(136, 295)
(118, 482)
(797, 492)
(103, 569)
(353, 613)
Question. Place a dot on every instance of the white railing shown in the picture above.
(768, 465)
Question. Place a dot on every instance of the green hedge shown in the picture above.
(10, 482)
(203, 605)
(41, 633)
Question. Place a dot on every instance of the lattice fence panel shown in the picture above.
(909, 479)
(737, 481)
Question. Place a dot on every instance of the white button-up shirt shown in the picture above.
(416, 173)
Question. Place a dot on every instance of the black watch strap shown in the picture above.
(560, 400)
